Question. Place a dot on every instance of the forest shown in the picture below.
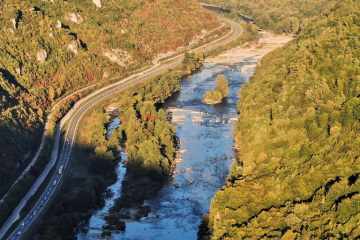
(297, 138)
(49, 49)
(279, 16)
(150, 143)
(221, 90)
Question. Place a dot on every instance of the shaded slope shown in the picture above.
(297, 174)
(51, 48)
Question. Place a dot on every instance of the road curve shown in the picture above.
(81, 110)
(47, 122)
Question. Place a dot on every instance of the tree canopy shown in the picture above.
(49, 49)
(221, 90)
(297, 171)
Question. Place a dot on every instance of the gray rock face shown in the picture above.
(97, 3)
(41, 56)
(73, 47)
(73, 17)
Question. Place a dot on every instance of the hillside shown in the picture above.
(297, 174)
(280, 16)
(50, 48)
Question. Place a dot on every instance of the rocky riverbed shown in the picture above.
(205, 153)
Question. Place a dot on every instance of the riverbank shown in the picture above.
(251, 51)
(207, 153)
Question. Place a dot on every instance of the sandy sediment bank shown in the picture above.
(252, 52)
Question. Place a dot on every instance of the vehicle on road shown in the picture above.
(22, 224)
(18, 233)
(61, 169)
(49, 190)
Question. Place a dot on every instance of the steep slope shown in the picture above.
(297, 174)
(50, 48)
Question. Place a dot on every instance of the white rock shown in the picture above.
(13, 20)
(74, 17)
(18, 70)
(28, 55)
(41, 56)
(97, 3)
(51, 34)
(105, 74)
(58, 24)
(118, 56)
(73, 47)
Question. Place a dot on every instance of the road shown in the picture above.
(77, 114)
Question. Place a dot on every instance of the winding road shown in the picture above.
(75, 116)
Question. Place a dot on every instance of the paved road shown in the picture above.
(70, 133)
(46, 128)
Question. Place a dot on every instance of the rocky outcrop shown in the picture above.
(14, 22)
(73, 47)
(58, 24)
(106, 74)
(51, 34)
(97, 3)
(75, 17)
(18, 70)
(28, 55)
(41, 56)
(119, 56)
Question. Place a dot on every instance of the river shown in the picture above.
(205, 154)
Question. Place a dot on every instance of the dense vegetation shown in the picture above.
(221, 90)
(297, 174)
(280, 16)
(150, 144)
(51, 48)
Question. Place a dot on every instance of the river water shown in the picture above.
(204, 157)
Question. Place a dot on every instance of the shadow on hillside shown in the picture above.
(10, 77)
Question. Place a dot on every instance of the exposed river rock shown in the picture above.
(205, 153)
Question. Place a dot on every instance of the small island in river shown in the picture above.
(221, 91)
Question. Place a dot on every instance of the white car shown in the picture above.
(22, 224)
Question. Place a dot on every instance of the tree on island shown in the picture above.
(221, 91)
